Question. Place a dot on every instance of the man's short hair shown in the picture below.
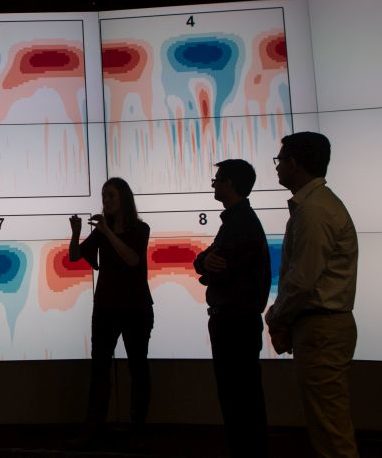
(240, 172)
(311, 150)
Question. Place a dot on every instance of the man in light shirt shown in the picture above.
(312, 315)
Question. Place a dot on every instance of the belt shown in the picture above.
(213, 311)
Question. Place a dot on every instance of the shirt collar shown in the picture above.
(230, 212)
(304, 192)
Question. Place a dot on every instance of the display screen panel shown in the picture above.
(158, 96)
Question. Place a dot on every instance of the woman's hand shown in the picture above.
(76, 225)
(99, 222)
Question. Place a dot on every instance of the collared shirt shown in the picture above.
(320, 252)
(241, 241)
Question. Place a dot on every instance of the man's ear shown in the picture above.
(294, 163)
(230, 186)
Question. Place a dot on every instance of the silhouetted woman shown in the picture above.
(117, 247)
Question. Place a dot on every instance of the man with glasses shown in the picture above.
(312, 314)
(236, 270)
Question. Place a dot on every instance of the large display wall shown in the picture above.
(158, 96)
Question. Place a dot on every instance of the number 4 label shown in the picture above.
(190, 21)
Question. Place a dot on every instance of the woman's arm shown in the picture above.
(129, 255)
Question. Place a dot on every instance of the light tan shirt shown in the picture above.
(320, 252)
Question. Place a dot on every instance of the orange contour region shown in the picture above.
(43, 60)
(273, 52)
(171, 260)
(123, 61)
(204, 97)
(36, 65)
(127, 68)
(61, 281)
(269, 59)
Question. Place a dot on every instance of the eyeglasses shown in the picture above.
(277, 160)
(214, 180)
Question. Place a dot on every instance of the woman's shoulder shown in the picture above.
(140, 228)
(143, 223)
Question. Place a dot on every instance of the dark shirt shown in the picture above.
(119, 285)
(241, 241)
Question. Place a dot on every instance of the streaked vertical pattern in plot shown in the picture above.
(220, 95)
(15, 271)
(218, 60)
(200, 75)
(127, 69)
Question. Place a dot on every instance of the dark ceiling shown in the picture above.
(7, 6)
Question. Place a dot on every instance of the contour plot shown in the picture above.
(47, 303)
(127, 72)
(215, 95)
(180, 329)
(200, 75)
(42, 88)
(15, 272)
(267, 91)
(179, 298)
(171, 260)
(45, 300)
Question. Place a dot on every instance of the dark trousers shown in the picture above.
(135, 327)
(236, 340)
